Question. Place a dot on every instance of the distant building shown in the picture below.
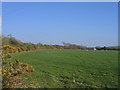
(94, 48)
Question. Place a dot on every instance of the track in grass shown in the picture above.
(72, 68)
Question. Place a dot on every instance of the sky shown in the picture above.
(0, 18)
(83, 23)
(60, 0)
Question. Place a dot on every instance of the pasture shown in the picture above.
(72, 68)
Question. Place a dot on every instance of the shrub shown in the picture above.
(13, 72)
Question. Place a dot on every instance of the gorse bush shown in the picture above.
(14, 71)
(12, 49)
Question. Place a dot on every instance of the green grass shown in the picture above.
(72, 68)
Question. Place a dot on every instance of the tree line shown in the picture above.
(9, 40)
(108, 48)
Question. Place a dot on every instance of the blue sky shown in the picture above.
(89, 23)
(0, 8)
(0, 18)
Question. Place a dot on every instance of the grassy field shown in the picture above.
(72, 68)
